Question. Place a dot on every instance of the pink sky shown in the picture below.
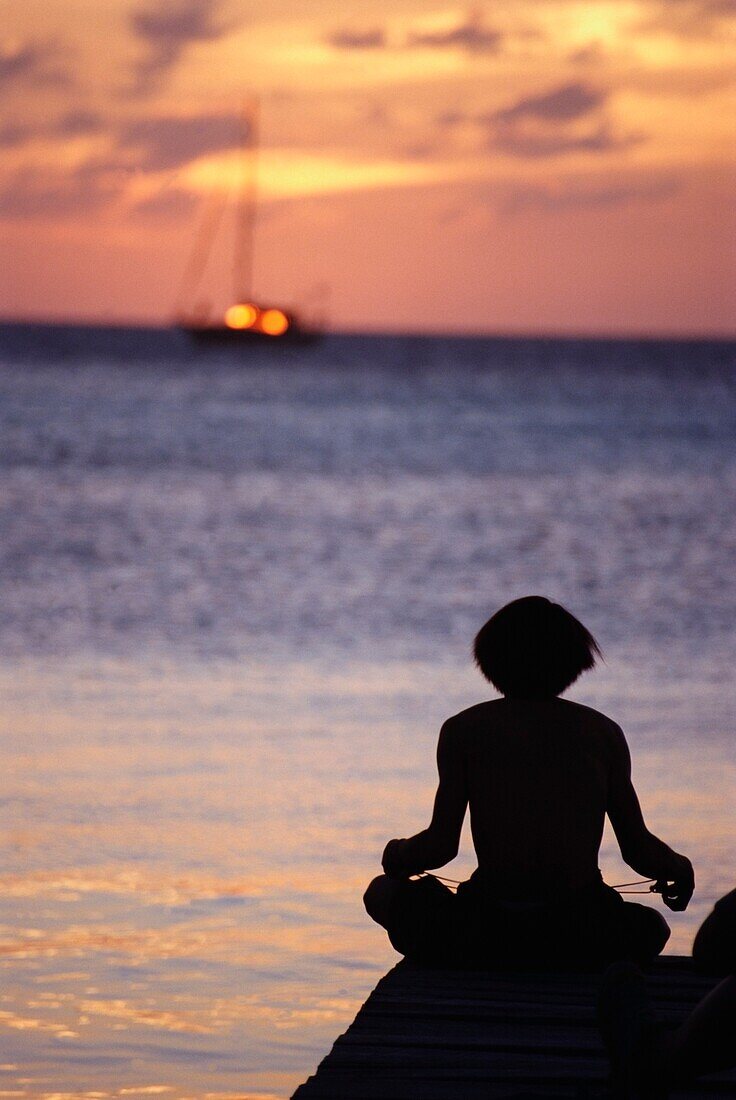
(523, 166)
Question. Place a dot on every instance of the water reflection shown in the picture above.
(180, 905)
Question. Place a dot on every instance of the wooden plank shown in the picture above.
(511, 1038)
(428, 1034)
(375, 1088)
(551, 1014)
(497, 1065)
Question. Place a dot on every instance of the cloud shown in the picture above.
(35, 63)
(692, 18)
(593, 196)
(72, 123)
(563, 104)
(420, 151)
(169, 142)
(567, 119)
(346, 39)
(451, 117)
(166, 31)
(174, 204)
(592, 53)
(685, 82)
(525, 142)
(14, 134)
(470, 35)
(77, 122)
(20, 63)
(600, 139)
(51, 193)
(158, 144)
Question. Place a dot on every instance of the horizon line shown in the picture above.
(406, 333)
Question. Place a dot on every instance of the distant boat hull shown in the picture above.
(222, 336)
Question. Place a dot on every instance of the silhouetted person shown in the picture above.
(648, 1060)
(540, 774)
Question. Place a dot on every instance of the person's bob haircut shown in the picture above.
(534, 649)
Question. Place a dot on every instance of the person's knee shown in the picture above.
(714, 954)
(657, 930)
(377, 898)
(714, 949)
(646, 932)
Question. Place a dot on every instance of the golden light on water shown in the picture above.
(222, 836)
(196, 836)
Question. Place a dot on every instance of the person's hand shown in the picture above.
(391, 860)
(677, 889)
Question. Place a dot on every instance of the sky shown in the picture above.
(526, 166)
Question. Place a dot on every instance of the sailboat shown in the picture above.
(247, 320)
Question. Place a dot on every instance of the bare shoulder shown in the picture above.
(493, 709)
(597, 724)
(504, 714)
(478, 713)
(477, 716)
(595, 718)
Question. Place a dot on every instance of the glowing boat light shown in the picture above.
(242, 315)
(274, 322)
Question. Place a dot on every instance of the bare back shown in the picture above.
(536, 774)
(539, 775)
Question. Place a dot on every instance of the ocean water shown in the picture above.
(238, 601)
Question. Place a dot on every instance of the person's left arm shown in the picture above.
(439, 843)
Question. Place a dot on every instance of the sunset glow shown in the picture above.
(403, 149)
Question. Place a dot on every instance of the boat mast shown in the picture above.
(246, 208)
(201, 248)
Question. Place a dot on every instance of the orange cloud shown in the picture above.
(569, 118)
(166, 33)
(346, 39)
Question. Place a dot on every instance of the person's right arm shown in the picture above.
(438, 844)
(642, 850)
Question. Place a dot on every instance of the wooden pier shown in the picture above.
(448, 1035)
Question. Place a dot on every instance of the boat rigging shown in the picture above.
(247, 319)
